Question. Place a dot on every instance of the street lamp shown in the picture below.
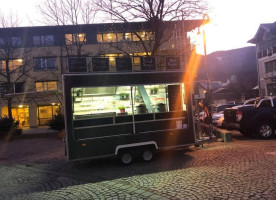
(206, 20)
(205, 55)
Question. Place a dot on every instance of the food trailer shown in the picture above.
(126, 114)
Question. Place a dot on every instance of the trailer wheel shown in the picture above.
(126, 157)
(147, 155)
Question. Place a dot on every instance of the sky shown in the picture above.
(233, 22)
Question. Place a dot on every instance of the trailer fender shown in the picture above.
(124, 146)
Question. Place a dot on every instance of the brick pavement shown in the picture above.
(243, 169)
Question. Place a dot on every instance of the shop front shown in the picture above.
(20, 113)
(46, 113)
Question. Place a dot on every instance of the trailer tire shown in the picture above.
(126, 157)
(147, 155)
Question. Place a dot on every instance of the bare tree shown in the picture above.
(155, 12)
(13, 58)
(67, 12)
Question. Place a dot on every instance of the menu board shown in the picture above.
(100, 64)
(147, 63)
(172, 63)
(123, 64)
(175, 98)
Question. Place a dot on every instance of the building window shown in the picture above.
(77, 64)
(45, 63)
(14, 65)
(3, 88)
(46, 85)
(2, 42)
(16, 88)
(109, 37)
(270, 66)
(271, 89)
(120, 37)
(15, 41)
(112, 58)
(43, 40)
(136, 58)
(75, 38)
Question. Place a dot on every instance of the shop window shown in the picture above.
(45, 63)
(75, 38)
(46, 113)
(43, 40)
(46, 85)
(20, 113)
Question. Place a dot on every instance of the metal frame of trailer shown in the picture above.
(97, 136)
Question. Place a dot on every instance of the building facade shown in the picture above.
(33, 59)
(265, 40)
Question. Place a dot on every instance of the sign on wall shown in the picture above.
(100, 64)
(147, 63)
(77, 65)
(123, 64)
(172, 63)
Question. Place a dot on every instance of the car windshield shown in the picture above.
(251, 101)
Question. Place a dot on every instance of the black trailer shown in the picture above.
(126, 114)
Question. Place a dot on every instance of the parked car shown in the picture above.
(260, 119)
(217, 119)
(230, 114)
(217, 115)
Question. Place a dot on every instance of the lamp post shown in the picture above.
(205, 57)
(208, 94)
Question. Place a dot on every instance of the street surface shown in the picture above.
(243, 169)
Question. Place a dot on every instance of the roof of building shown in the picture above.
(134, 26)
(263, 28)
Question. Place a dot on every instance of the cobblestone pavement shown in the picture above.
(242, 169)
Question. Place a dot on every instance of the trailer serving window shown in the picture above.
(94, 102)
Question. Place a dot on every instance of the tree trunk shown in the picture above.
(10, 107)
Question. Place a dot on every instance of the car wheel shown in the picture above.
(266, 130)
(126, 158)
(147, 155)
